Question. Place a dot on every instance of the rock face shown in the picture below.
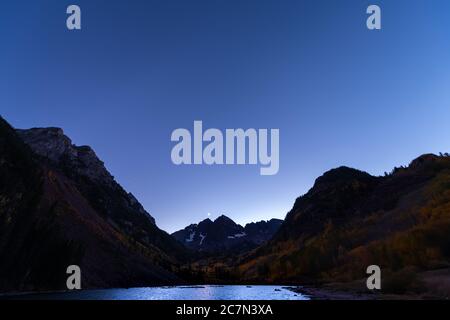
(82, 164)
(60, 206)
(53, 145)
(224, 235)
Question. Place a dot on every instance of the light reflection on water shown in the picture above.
(207, 292)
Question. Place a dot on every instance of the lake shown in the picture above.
(204, 292)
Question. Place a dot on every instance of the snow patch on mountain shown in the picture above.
(191, 237)
(202, 238)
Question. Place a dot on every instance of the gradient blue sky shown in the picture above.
(339, 93)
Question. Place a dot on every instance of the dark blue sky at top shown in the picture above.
(339, 93)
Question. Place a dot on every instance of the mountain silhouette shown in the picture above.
(223, 235)
(349, 220)
(59, 206)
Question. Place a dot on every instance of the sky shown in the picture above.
(339, 93)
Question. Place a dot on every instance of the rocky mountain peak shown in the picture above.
(82, 163)
(223, 219)
(224, 235)
(202, 223)
(52, 144)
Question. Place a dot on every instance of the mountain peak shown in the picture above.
(204, 222)
(342, 174)
(223, 218)
(423, 160)
(79, 161)
(52, 144)
(340, 177)
(225, 235)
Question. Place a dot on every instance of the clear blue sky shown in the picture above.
(339, 93)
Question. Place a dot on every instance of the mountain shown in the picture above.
(349, 220)
(60, 206)
(223, 234)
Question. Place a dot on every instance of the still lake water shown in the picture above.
(206, 292)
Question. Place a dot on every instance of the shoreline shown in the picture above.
(322, 293)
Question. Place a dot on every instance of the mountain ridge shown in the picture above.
(59, 206)
(349, 220)
(225, 235)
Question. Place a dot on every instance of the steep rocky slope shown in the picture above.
(60, 206)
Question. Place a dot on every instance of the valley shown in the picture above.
(60, 206)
